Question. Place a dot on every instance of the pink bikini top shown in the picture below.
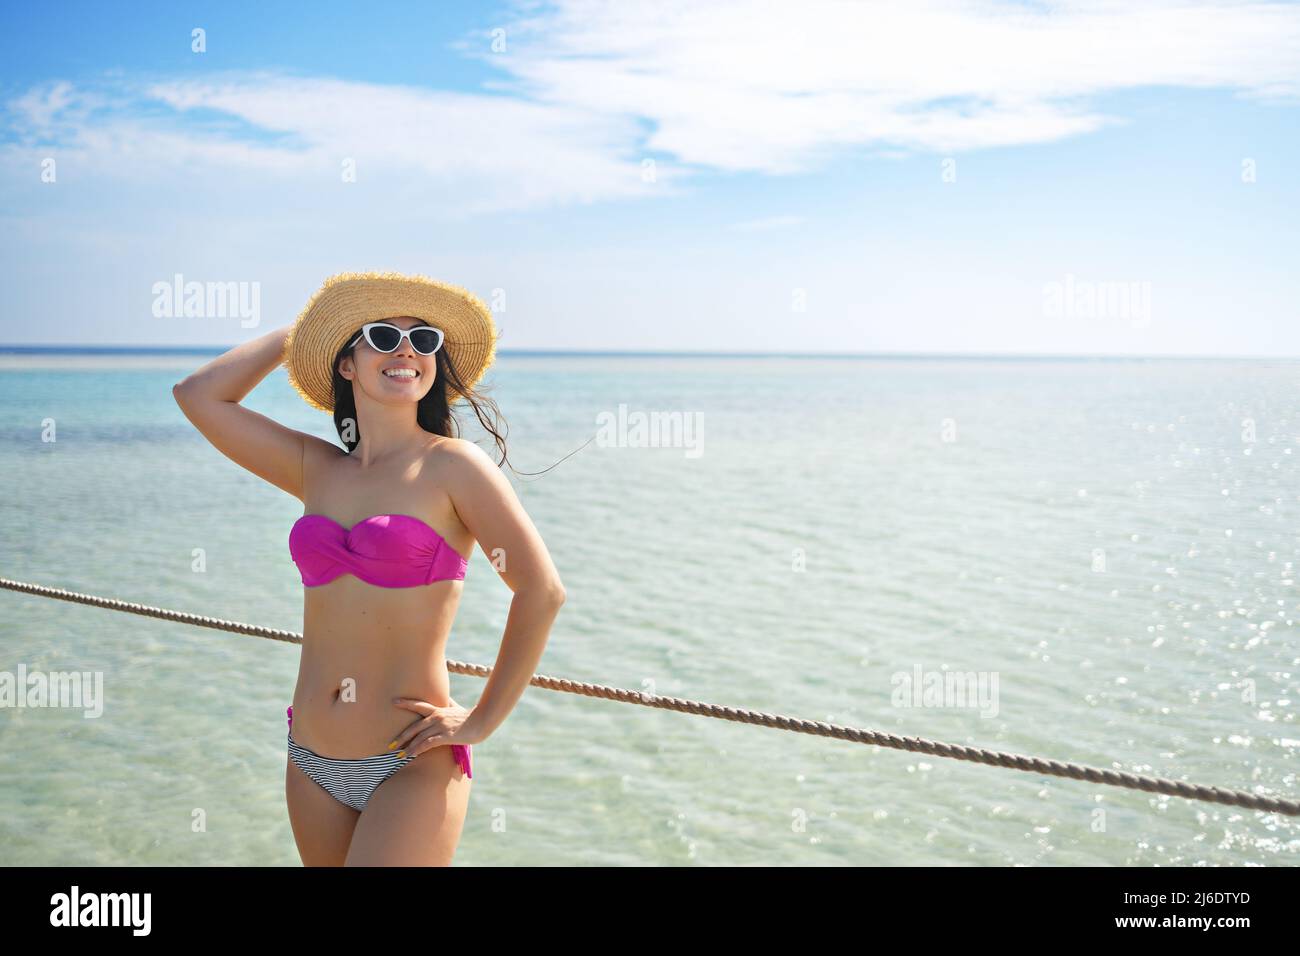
(389, 551)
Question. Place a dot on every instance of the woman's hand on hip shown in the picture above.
(435, 727)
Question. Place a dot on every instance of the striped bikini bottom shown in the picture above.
(351, 782)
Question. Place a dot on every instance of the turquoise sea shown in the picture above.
(1113, 541)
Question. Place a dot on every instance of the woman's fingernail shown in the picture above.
(392, 745)
(401, 753)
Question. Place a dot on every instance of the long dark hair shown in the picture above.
(432, 413)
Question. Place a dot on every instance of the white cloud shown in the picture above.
(771, 86)
(37, 107)
(454, 153)
(592, 89)
(488, 151)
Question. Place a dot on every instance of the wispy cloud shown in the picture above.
(592, 91)
(456, 152)
(772, 87)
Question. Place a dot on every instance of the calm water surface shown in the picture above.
(1115, 542)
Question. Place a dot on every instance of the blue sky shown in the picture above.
(1058, 178)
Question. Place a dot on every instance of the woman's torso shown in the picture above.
(362, 644)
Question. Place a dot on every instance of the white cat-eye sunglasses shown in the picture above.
(386, 337)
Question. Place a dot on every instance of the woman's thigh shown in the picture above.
(415, 817)
(322, 827)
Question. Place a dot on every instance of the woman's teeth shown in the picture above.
(401, 373)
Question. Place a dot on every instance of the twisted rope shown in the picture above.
(935, 748)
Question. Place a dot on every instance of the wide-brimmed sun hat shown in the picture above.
(346, 301)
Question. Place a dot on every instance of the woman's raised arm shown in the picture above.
(210, 398)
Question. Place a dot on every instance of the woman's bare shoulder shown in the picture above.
(457, 450)
(460, 463)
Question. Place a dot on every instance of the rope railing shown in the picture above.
(935, 748)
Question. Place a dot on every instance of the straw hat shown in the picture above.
(348, 300)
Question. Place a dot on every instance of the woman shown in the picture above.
(379, 769)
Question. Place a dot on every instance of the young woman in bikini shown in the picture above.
(378, 769)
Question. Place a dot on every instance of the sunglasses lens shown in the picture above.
(426, 340)
(383, 337)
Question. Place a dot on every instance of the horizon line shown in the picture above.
(16, 349)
